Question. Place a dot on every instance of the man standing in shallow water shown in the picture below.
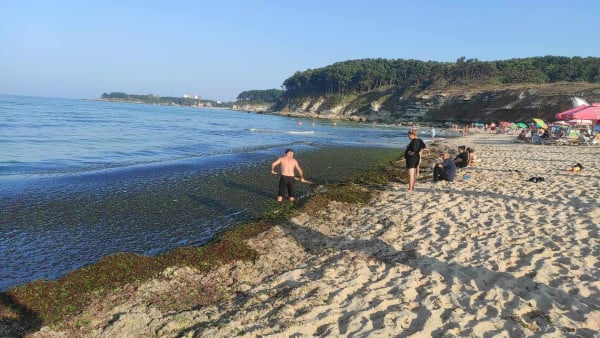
(287, 181)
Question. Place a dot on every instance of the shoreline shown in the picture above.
(148, 209)
(490, 254)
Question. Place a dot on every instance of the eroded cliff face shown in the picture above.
(392, 105)
(257, 108)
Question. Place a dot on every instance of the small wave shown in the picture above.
(267, 131)
(256, 130)
(301, 132)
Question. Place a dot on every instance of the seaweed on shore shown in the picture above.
(27, 308)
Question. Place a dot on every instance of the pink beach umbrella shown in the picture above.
(567, 113)
(591, 112)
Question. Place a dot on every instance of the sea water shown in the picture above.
(49, 136)
(51, 148)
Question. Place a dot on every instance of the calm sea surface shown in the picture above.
(82, 179)
(50, 136)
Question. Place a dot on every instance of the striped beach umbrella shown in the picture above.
(540, 123)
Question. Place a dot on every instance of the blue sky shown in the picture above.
(216, 49)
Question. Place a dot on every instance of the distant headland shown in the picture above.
(186, 100)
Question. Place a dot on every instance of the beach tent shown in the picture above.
(580, 122)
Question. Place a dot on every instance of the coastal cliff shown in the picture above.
(253, 107)
(458, 104)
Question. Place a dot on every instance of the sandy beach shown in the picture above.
(492, 254)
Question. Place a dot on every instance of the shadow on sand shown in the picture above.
(574, 306)
(25, 321)
(525, 288)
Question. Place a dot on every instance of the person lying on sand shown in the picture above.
(576, 168)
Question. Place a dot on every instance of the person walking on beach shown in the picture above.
(432, 134)
(412, 155)
(287, 181)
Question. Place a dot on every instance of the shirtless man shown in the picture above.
(287, 180)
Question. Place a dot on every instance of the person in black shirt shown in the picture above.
(462, 159)
(412, 155)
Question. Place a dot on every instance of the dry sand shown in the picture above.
(492, 255)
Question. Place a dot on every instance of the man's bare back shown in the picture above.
(288, 165)
(286, 182)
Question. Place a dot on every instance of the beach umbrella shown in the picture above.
(540, 123)
(567, 114)
(590, 113)
(504, 124)
(586, 112)
(521, 125)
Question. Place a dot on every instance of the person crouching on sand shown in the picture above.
(287, 181)
(446, 170)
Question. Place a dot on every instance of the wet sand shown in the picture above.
(55, 225)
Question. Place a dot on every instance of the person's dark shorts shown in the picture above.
(287, 184)
(412, 162)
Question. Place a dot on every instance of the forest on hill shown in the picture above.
(259, 96)
(365, 75)
(392, 91)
